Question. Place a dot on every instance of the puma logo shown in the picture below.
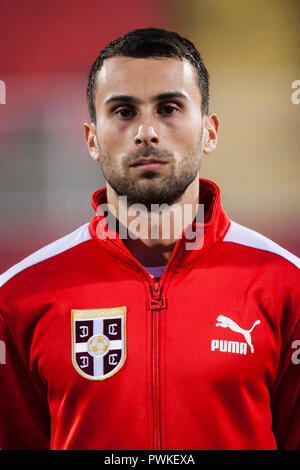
(226, 322)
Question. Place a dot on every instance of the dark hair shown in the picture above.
(150, 42)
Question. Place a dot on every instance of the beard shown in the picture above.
(151, 187)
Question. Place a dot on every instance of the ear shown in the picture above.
(91, 140)
(210, 130)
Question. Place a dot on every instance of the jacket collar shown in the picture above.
(197, 239)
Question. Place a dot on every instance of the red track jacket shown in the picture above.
(95, 354)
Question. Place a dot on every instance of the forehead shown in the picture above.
(145, 77)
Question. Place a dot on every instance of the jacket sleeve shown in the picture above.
(24, 417)
(286, 396)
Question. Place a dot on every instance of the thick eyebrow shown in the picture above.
(133, 100)
(169, 96)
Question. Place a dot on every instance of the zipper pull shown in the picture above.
(156, 302)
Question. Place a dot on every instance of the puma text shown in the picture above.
(228, 346)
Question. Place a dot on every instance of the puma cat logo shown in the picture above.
(226, 322)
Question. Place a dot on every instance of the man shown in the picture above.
(120, 336)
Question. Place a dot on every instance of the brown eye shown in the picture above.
(125, 113)
(168, 109)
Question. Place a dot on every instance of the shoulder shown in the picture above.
(61, 245)
(256, 243)
(267, 270)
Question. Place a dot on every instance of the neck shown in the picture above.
(152, 234)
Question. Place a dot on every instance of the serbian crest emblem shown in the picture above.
(98, 341)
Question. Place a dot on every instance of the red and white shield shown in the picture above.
(98, 341)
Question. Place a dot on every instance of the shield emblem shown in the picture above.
(98, 341)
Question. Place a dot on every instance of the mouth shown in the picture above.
(148, 164)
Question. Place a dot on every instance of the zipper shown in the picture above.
(157, 303)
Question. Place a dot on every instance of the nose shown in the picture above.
(146, 135)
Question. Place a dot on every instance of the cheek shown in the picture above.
(193, 137)
(111, 136)
(186, 143)
(186, 131)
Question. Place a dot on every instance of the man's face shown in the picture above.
(149, 127)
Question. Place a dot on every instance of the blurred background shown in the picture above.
(47, 178)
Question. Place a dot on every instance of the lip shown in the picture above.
(148, 164)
